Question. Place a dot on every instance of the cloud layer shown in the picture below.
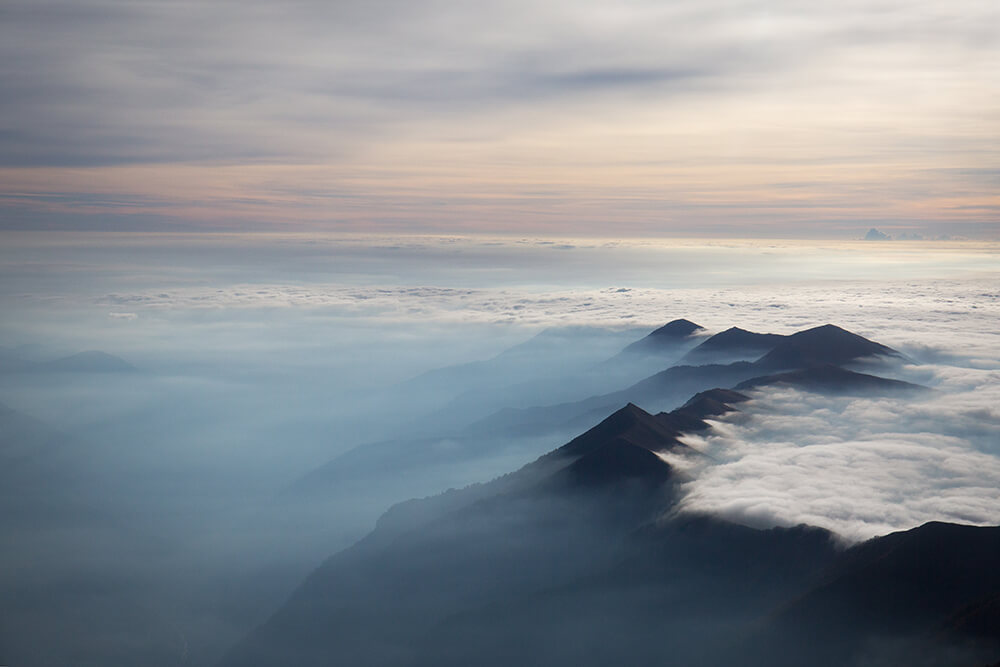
(920, 301)
(858, 466)
(648, 117)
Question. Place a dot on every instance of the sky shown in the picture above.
(285, 214)
(729, 118)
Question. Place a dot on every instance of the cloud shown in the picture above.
(455, 115)
(858, 466)
(917, 302)
(915, 326)
(894, 314)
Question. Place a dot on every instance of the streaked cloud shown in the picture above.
(647, 118)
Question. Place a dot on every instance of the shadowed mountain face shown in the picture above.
(666, 388)
(668, 336)
(923, 596)
(577, 559)
(828, 344)
(561, 517)
(829, 379)
(733, 344)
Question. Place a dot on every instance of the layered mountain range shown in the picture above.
(583, 556)
(662, 387)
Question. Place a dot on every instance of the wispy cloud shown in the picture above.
(449, 115)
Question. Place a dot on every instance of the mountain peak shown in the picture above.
(680, 328)
(630, 423)
(668, 336)
(734, 342)
(826, 344)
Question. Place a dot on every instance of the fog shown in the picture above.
(155, 516)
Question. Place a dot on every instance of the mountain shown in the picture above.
(667, 336)
(699, 590)
(828, 379)
(679, 592)
(579, 558)
(556, 362)
(875, 235)
(922, 596)
(733, 344)
(664, 389)
(827, 344)
(539, 426)
(554, 350)
(658, 350)
(822, 346)
(631, 423)
(85, 362)
(561, 517)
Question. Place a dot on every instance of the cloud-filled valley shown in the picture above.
(235, 434)
(857, 466)
(430, 333)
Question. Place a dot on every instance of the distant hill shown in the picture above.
(554, 363)
(875, 235)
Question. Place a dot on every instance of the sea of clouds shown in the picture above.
(859, 466)
(301, 324)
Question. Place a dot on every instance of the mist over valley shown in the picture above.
(257, 483)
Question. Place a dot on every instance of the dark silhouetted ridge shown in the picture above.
(733, 341)
(618, 461)
(631, 425)
(677, 329)
(832, 379)
(668, 335)
(828, 344)
(911, 584)
(711, 403)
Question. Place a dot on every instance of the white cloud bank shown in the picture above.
(859, 467)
